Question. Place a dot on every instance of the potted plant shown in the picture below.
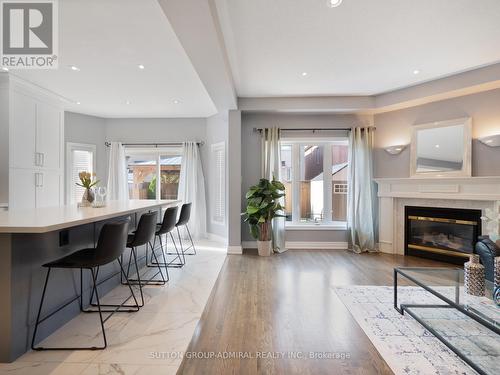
(263, 204)
(87, 181)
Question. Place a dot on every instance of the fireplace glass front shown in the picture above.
(445, 234)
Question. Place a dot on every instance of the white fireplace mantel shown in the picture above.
(456, 192)
(466, 188)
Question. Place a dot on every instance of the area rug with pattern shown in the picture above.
(407, 347)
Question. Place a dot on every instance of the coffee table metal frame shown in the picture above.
(491, 325)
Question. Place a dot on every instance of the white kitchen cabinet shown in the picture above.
(36, 141)
(48, 188)
(22, 189)
(48, 136)
(22, 130)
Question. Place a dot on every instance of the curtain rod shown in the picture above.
(200, 143)
(309, 129)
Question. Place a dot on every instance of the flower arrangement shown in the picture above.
(87, 181)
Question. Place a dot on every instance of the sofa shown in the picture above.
(487, 251)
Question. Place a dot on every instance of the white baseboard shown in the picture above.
(303, 245)
(299, 245)
(235, 250)
(217, 238)
(386, 247)
(249, 244)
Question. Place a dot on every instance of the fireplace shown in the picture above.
(444, 234)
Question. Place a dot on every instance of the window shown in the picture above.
(340, 188)
(80, 158)
(219, 203)
(313, 196)
(153, 173)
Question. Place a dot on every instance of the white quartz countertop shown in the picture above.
(42, 220)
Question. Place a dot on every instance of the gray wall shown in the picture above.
(80, 128)
(4, 139)
(394, 128)
(235, 155)
(250, 164)
(217, 131)
(136, 130)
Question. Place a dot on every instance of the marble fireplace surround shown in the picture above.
(458, 192)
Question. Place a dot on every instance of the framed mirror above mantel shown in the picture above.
(442, 149)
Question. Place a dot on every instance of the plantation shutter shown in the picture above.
(219, 212)
(82, 161)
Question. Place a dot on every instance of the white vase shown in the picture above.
(265, 248)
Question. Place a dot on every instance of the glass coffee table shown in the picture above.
(467, 325)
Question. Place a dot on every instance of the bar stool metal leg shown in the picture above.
(99, 308)
(191, 239)
(39, 321)
(40, 309)
(138, 275)
(151, 280)
(117, 308)
(184, 251)
(164, 249)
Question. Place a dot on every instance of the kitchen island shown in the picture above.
(30, 238)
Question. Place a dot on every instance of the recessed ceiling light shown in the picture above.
(333, 3)
(127, 102)
(416, 71)
(74, 68)
(78, 103)
(140, 66)
(176, 101)
(437, 146)
(304, 74)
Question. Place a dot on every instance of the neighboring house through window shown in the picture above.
(153, 173)
(311, 198)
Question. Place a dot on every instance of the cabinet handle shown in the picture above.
(38, 179)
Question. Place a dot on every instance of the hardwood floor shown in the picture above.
(285, 303)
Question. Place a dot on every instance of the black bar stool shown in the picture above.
(145, 232)
(110, 247)
(165, 228)
(183, 222)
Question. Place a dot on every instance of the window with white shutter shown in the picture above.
(219, 203)
(80, 158)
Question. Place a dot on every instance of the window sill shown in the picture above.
(339, 225)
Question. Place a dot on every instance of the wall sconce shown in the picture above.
(491, 140)
(394, 150)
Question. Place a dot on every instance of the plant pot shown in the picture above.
(265, 248)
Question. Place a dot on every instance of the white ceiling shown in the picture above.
(362, 47)
(107, 40)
